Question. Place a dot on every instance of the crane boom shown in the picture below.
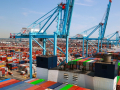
(106, 18)
(68, 17)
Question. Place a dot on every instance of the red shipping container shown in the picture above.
(74, 66)
(13, 82)
(47, 84)
(78, 62)
(9, 61)
(14, 59)
(68, 66)
(3, 70)
(33, 87)
(40, 88)
(94, 63)
(118, 58)
(80, 88)
(81, 62)
(9, 82)
(97, 58)
(16, 62)
(13, 67)
(4, 59)
(118, 85)
(115, 60)
(118, 72)
(12, 53)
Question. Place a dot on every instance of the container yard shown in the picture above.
(34, 59)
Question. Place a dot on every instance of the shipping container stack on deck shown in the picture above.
(85, 63)
(36, 84)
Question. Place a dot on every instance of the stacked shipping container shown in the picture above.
(85, 63)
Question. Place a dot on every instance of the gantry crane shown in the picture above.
(108, 39)
(101, 26)
(63, 14)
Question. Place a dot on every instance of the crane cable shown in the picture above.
(104, 16)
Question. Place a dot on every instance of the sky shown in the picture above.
(15, 14)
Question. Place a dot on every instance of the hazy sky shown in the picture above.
(15, 14)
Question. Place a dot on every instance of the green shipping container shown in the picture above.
(69, 62)
(66, 87)
(84, 63)
(37, 81)
(75, 61)
(118, 65)
(118, 77)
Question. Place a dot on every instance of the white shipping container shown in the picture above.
(2, 56)
(13, 57)
(81, 80)
(5, 68)
(115, 83)
(89, 82)
(9, 60)
(42, 73)
(53, 75)
(87, 64)
(104, 83)
(61, 78)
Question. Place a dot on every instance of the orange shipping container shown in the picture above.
(73, 88)
(9, 82)
(40, 88)
(47, 84)
(33, 88)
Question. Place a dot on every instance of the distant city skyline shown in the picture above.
(16, 14)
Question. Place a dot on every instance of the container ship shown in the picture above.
(35, 60)
(99, 72)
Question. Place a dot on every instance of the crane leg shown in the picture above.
(55, 43)
(87, 49)
(83, 48)
(30, 56)
(98, 47)
(67, 39)
(44, 46)
(101, 45)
